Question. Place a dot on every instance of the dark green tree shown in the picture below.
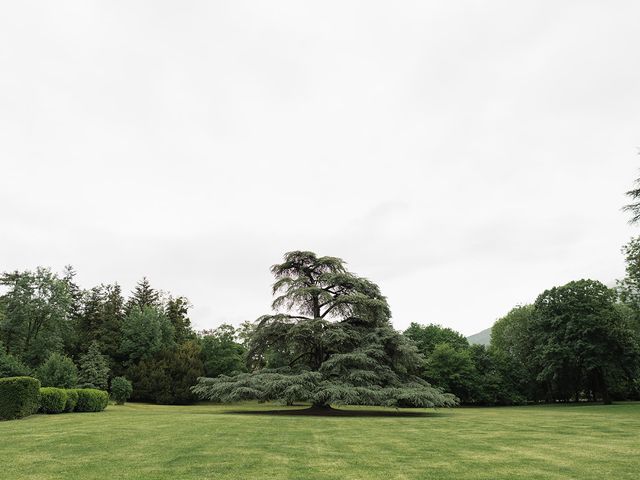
(94, 368)
(144, 295)
(144, 333)
(426, 337)
(167, 377)
(121, 390)
(10, 366)
(512, 344)
(176, 310)
(74, 310)
(58, 371)
(221, 353)
(90, 316)
(36, 317)
(110, 325)
(452, 370)
(582, 343)
(629, 286)
(497, 381)
(334, 328)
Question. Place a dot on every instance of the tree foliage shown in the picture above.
(35, 320)
(333, 331)
(145, 331)
(121, 390)
(10, 366)
(94, 368)
(581, 340)
(58, 371)
(576, 342)
(426, 337)
(221, 353)
(167, 377)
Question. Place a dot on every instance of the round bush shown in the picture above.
(121, 390)
(10, 366)
(72, 400)
(58, 371)
(19, 397)
(91, 400)
(52, 400)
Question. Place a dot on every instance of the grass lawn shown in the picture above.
(139, 441)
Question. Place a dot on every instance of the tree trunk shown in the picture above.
(324, 407)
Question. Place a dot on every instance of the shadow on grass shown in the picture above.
(334, 412)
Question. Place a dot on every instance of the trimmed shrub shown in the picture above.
(91, 400)
(19, 397)
(72, 400)
(52, 400)
(121, 390)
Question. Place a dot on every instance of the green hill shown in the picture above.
(481, 338)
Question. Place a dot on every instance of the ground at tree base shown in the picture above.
(140, 441)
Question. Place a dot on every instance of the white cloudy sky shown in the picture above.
(464, 155)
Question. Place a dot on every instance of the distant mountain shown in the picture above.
(481, 338)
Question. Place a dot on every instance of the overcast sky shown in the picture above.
(463, 155)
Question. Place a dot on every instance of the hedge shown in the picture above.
(91, 400)
(52, 400)
(72, 400)
(19, 397)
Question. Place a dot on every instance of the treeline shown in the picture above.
(577, 342)
(68, 337)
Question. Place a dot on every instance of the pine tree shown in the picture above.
(112, 316)
(167, 377)
(176, 311)
(91, 315)
(336, 334)
(144, 295)
(144, 333)
(94, 368)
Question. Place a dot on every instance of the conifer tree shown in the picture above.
(91, 315)
(144, 295)
(94, 368)
(113, 308)
(335, 330)
(176, 311)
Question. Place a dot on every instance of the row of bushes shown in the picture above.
(22, 396)
(58, 400)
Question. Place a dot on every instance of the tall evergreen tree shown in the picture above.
(144, 333)
(113, 308)
(90, 317)
(176, 311)
(167, 376)
(335, 328)
(144, 295)
(74, 313)
(94, 368)
(634, 206)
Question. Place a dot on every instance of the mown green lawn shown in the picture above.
(206, 442)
